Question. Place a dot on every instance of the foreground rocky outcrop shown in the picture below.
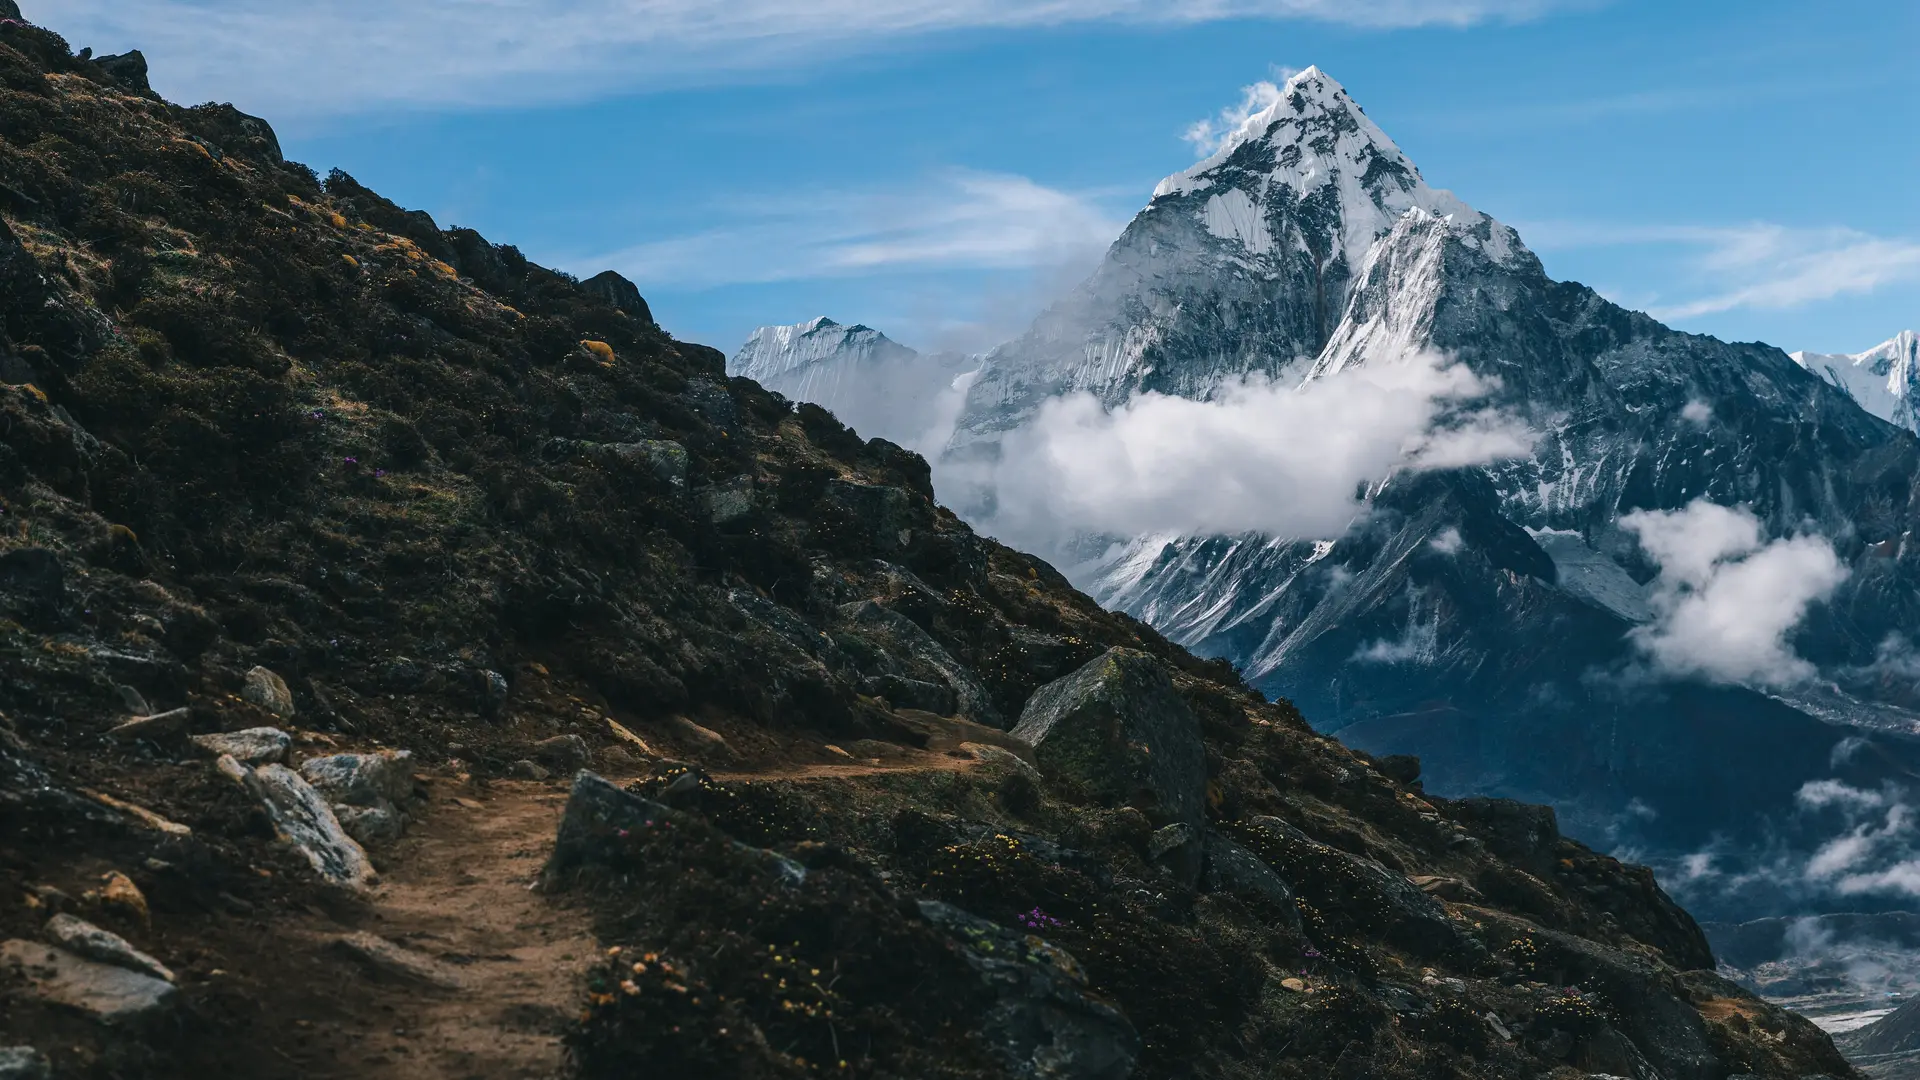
(325, 486)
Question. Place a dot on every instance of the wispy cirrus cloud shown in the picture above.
(308, 59)
(1760, 266)
(952, 220)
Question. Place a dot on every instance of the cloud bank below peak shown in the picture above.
(366, 55)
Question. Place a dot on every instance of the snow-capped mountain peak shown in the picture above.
(1880, 380)
(774, 351)
(1315, 137)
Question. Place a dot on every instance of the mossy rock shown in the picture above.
(1117, 733)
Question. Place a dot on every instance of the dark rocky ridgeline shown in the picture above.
(287, 470)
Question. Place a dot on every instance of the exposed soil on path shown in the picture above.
(457, 890)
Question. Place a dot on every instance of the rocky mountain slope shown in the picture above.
(872, 383)
(1879, 380)
(1310, 244)
(341, 551)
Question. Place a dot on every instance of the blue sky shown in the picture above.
(941, 168)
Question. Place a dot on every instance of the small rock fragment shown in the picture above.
(254, 746)
(110, 994)
(370, 824)
(132, 699)
(269, 691)
(119, 891)
(385, 958)
(155, 728)
(82, 938)
(563, 753)
(626, 735)
(140, 813)
(24, 1063)
(527, 770)
(1298, 986)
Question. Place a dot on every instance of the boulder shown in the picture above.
(128, 68)
(617, 292)
(382, 778)
(367, 791)
(1231, 868)
(305, 820)
(563, 753)
(598, 816)
(1042, 1022)
(1116, 731)
(82, 938)
(254, 746)
(105, 992)
(269, 691)
(23, 1062)
(901, 635)
(388, 960)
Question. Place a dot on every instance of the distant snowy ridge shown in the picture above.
(1880, 380)
(872, 383)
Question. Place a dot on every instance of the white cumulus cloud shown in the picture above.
(1725, 600)
(1260, 456)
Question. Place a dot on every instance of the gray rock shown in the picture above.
(1179, 850)
(254, 746)
(370, 824)
(135, 703)
(619, 293)
(105, 992)
(305, 820)
(160, 727)
(1233, 869)
(382, 778)
(598, 813)
(1042, 1023)
(880, 515)
(269, 691)
(903, 635)
(600, 816)
(129, 68)
(563, 753)
(527, 770)
(24, 1062)
(384, 958)
(1116, 730)
(81, 937)
(729, 500)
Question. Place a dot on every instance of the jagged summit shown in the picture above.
(1880, 380)
(1312, 143)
